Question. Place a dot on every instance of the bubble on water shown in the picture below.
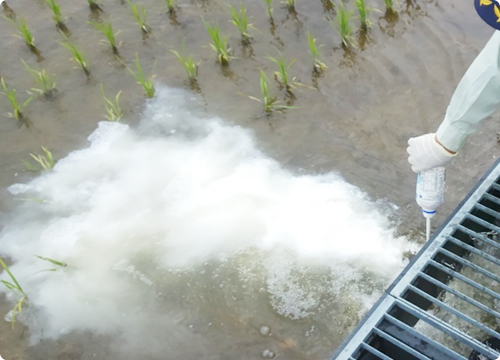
(269, 354)
(265, 330)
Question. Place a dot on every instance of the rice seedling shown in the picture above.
(107, 30)
(171, 4)
(46, 84)
(219, 45)
(282, 76)
(94, 5)
(113, 109)
(16, 105)
(240, 20)
(56, 11)
(141, 78)
(318, 65)
(363, 11)
(290, 4)
(139, 13)
(389, 6)
(45, 161)
(188, 63)
(25, 33)
(53, 262)
(343, 26)
(328, 5)
(78, 55)
(269, 9)
(17, 289)
(269, 102)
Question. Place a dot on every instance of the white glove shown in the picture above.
(426, 153)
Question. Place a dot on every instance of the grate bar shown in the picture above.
(400, 344)
(476, 235)
(465, 279)
(424, 338)
(460, 295)
(375, 351)
(493, 197)
(484, 223)
(446, 328)
(496, 186)
(488, 210)
(454, 311)
(472, 249)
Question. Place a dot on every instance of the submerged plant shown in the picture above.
(343, 26)
(139, 13)
(269, 9)
(171, 5)
(78, 55)
(53, 262)
(188, 63)
(45, 161)
(16, 105)
(139, 76)
(56, 11)
(318, 65)
(269, 102)
(363, 11)
(113, 109)
(25, 34)
(240, 20)
(18, 290)
(107, 30)
(219, 44)
(46, 84)
(94, 5)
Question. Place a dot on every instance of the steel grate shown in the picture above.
(446, 303)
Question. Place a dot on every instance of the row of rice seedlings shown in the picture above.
(17, 106)
(171, 4)
(56, 11)
(113, 109)
(240, 20)
(25, 33)
(147, 84)
(77, 55)
(94, 5)
(318, 66)
(219, 44)
(16, 289)
(44, 162)
(107, 30)
(139, 13)
(269, 103)
(46, 84)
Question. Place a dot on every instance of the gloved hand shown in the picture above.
(426, 153)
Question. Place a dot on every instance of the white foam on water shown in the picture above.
(173, 194)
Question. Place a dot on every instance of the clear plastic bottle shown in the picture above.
(430, 190)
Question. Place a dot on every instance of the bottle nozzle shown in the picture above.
(428, 214)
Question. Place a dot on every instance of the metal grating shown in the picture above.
(446, 303)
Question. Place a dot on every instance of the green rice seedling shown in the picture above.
(188, 63)
(113, 109)
(53, 262)
(363, 11)
(45, 161)
(343, 26)
(290, 4)
(139, 13)
(219, 44)
(171, 4)
(17, 289)
(94, 5)
(46, 84)
(107, 30)
(240, 20)
(269, 9)
(25, 34)
(389, 6)
(282, 76)
(318, 65)
(269, 102)
(139, 76)
(78, 55)
(56, 11)
(16, 105)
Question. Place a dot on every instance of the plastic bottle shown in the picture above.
(430, 193)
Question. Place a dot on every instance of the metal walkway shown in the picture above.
(446, 303)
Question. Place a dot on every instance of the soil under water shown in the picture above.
(355, 120)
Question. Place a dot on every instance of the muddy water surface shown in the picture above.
(356, 122)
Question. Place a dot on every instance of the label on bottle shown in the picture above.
(430, 188)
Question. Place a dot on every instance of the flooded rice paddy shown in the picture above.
(199, 227)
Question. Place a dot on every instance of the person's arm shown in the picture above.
(476, 97)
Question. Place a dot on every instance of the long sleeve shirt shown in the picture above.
(476, 97)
